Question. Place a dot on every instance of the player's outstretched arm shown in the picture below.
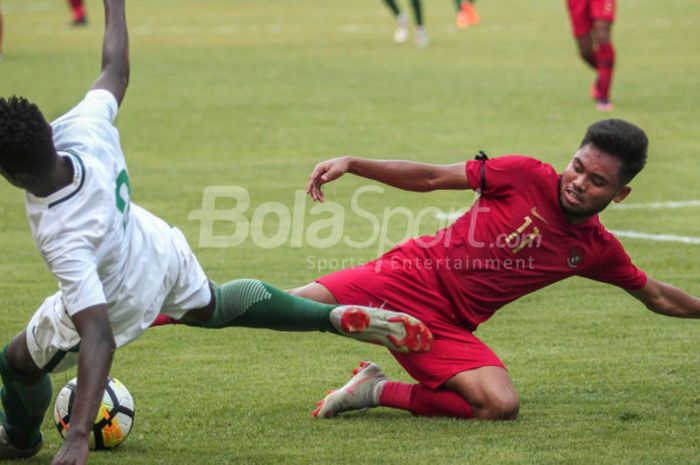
(406, 175)
(96, 351)
(115, 51)
(668, 300)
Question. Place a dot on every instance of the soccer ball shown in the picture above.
(115, 417)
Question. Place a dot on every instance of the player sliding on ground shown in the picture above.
(118, 266)
(530, 227)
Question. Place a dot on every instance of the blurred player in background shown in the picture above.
(77, 8)
(401, 32)
(466, 13)
(530, 227)
(118, 266)
(592, 21)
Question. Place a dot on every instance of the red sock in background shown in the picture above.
(162, 320)
(420, 400)
(78, 9)
(605, 60)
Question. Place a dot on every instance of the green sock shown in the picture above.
(24, 402)
(417, 12)
(393, 7)
(254, 304)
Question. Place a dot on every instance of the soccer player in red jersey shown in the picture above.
(530, 227)
(591, 21)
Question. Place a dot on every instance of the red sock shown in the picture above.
(605, 60)
(78, 9)
(420, 400)
(162, 320)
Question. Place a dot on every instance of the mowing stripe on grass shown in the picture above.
(654, 205)
(657, 237)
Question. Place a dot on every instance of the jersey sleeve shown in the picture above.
(88, 130)
(97, 104)
(615, 267)
(501, 173)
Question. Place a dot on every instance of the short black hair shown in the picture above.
(624, 141)
(26, 142)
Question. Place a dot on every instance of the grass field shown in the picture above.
(253, 93)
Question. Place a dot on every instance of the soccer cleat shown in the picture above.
(422, 39)
(604, 105)
(467, 15)
(9, 452)
(361, 392)
(462, 21)
(397, 331)
(401, 32)
(80, 20)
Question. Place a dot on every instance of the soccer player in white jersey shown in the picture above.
(118, 266)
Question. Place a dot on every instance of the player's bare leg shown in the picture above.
(490, 392)
(585, 49)
(314, 291)
(26, 395)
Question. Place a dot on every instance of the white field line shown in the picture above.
(452, 216)
(654, 205)
(657, 237)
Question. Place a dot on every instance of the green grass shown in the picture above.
(254, 93)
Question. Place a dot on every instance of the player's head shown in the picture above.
(624, 141)
(26, 144)
(612, 152)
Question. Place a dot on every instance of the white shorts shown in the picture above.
(54, 342)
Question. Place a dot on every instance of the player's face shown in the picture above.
(589, 183)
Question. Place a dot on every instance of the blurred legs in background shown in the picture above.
(466, 13)
(401, 32)
(78, 12)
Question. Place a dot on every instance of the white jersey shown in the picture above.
(102, 248)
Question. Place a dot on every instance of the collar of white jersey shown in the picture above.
(68, 191)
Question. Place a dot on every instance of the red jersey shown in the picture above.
(514, 240)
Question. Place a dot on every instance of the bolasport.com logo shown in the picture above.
(227, 220)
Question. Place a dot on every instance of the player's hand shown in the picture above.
(74, 452)
(324, 172)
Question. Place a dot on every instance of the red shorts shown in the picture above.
(455, 348)
(584, 12)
